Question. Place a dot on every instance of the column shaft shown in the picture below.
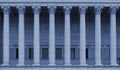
(67, 36)
(97, 35)
(51, 35)
(36, 37)
(21, 36)
(82, 36)
(6, 36)
(113, 46)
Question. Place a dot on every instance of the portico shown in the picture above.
(51, 49)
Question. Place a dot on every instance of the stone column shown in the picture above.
(113, 59)
(36, 10)
(82, 10)
(21, 36)
(51, 35)
(6, 35)
(67, 59)
(98, 35)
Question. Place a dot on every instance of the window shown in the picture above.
(30, 53)
(58, 53)
(72, 53)
(44, 53)
(86, 53)
(16, 53)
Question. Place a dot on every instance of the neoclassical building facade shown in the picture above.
(59, 35)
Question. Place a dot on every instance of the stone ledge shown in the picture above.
(59, 66)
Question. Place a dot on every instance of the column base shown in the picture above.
(98, 64)
(114, 64)
(83, 64)
(67, 64)
(36, 64)
(20, 64)
(52, 64)
(5, 64)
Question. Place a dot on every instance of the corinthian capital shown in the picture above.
(6, 9)
(82, 9)
(36, 9)
(113, 9)
(98, 9)
(52, 9)
(67, 9)
(21, 9)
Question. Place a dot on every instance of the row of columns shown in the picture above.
(67, 10)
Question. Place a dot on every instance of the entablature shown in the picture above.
(60, 2)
